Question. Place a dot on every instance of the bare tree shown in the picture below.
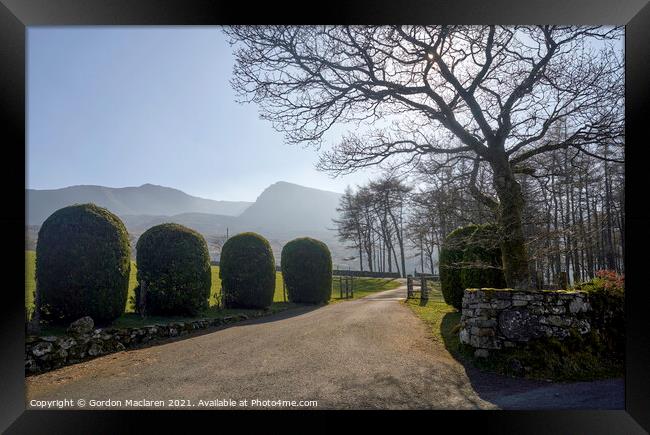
(391, 196)
(423, 230)
(372, 220)
(350, 226)
(485, 93)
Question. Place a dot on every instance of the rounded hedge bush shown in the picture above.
(470, 258)
(174, 263)
(450, 261)
(82, 265)
(307, 271)
(247, 272)
(482, 260)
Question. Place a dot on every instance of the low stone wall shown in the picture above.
(497, 318)
(83, 342)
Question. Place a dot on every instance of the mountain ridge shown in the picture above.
(281, 212)
(147, 199)
(289, 207)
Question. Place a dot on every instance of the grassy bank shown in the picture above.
(573, 359)
(442, 319)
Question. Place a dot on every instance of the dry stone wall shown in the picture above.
(496, 318)
(83, 342)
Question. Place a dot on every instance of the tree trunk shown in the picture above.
(396, 262)
(360, 256)
(608, 214)
(589, 237)
(509, 214)
(622, 230)
(421, 256)
(400, 241)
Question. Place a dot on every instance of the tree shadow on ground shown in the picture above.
(298, 310)
(509, 392)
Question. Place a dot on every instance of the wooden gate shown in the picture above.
(346, 286)
(417, 286)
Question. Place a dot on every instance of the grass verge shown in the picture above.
(570, 360)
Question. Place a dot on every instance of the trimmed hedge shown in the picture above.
(174, 262)
(307, 270)
(482, 260)
(247, 272)
(82, 265)
(470, 258)
(451, 257)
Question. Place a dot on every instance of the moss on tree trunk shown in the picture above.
(513, 248)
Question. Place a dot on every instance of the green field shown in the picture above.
(30, 281)
(362, 287)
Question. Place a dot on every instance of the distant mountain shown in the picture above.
(147, 199)
(283, 211)
(286, 208)
(204, 223)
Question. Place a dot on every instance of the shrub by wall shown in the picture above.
(482, 260)
(174, 264)
(470, 258)
(247, 272)
(451, 257)
(82, 265)
(307, 270)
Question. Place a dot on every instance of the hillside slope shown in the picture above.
(147, 199)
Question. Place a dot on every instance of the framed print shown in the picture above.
(239, 210)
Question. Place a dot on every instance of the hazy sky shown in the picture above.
(124, 106)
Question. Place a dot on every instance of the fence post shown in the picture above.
(352, 286)
(564, 281)
(409, 287)
(424, 295)
(347, 287)
(341, 287)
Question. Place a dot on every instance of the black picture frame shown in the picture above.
(17, 15)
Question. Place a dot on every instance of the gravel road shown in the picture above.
(370, 353)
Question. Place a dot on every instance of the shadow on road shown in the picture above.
(519, 393)
(282, 315)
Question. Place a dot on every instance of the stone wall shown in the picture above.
(497, 318)
(83, 342)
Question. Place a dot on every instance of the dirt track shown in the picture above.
(368, 353)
